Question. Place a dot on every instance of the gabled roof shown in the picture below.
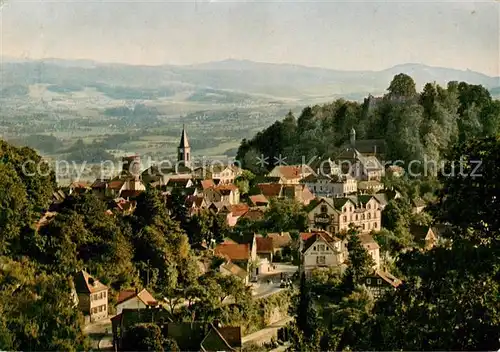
(233, 251)
(319, 236)
(258, 199)
(368, 242)
(143, 295)
(226, 189)
(270, 189)
(128, 193)
(389, 278)
(265, 245)
(254, 214)
(179, 182)
(291, 172)
(207, 184)
(418, 202)
(77, 184)
(99, 183)
(281, 239)
(84, 283)
(239, 209)
(235, 270)
(340, 202)
(118, 184)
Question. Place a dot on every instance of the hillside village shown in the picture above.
(247, 256)
(334, 201)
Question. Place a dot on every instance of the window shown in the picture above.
(100, 309)
(314, 248)
(368, 281)
(379, 281)
(324, 209)
(362, 216)
(104, 294)
(369, 206)
(375, 225)
(321, 247)
(345, 218)
(363, 226)
(369, 216)
(96, 297)
(320, 259)
(356, 217)
(350, 209)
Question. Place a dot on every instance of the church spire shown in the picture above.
(184, 150)
(184, 138)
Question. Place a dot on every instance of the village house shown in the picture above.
(380, 282)
(336, 214)
(418, 205)
(229, 268)
(371, 247)
(424, 236)
(321, 250)
(219, 173)
(331, 186)
(359, 159)
(92, 297)
(291, 174)
(258, 200)
(134, 299)
(241, 252)
(370, 187)
(298, 192)
(265, 251)
(280, 240)
(223, 193)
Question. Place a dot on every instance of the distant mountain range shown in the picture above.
(242, 77)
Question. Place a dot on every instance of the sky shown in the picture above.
(355, 35)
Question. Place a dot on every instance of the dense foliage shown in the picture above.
(416, 126)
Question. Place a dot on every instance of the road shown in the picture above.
(263, 287)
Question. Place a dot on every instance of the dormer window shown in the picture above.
(324, 209)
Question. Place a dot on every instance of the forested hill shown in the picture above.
(412, 123)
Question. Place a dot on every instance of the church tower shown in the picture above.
(184, 150)
(352, 137)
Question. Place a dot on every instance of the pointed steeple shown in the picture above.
(184, 138)
(184, 150)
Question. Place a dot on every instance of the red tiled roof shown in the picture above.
(264, 244)
(116, 184)
(84, 283)
(239, 209)
(143, 295)
(233, 251)
(254, 214)
(226, 188)
(207, 184)
(280, 240)
(130, 193)
(293, 171)
(270, 189)
(259, 198)
(79, 185)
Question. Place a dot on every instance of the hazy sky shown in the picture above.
(343, 35)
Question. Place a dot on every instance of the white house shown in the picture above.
(134, 299)
(321, 250)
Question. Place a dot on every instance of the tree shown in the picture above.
(470, 182)
(402, 85)
(306, 316)
(144, 337)
(360, 262)
(14, 207)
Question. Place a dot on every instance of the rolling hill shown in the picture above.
(244, 78)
